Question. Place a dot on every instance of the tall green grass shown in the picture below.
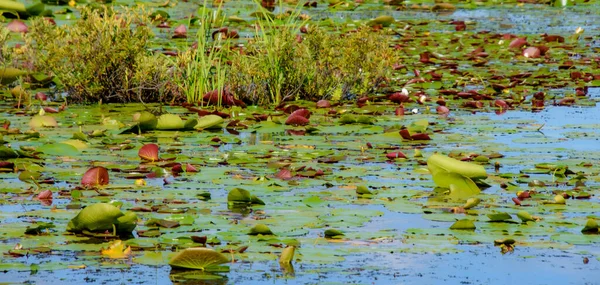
(204, 67)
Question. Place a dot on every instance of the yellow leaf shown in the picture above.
(116, 250)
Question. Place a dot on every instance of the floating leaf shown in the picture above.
(464, 224)
(17, 26)
(95, 176)
(239, 195)
(499, 217)
(296, 120)
(438, 163)
(209, 122)
(10, 74)
(525, 216)
(559, 199)
(471, 202)
(149, 152)
(59, 149)
(117, 250)
(384, 21)
(7, 152)
(260, 229)
(590, 226)
(146, 120)
(460, 187)
(169, 122)
(287, 255)
(39, 121)
(334, 234)
(98, 217)
(363, 190)
(198, 258)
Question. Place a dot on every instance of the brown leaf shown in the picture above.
(532, 52)
(95, 176)
(323, 104)
(149, 152)
(180, 32)
(297, 120)
(518, 43)
(395, 155)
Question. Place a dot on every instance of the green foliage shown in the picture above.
(103, 56)
(202, 68)
(322, 65)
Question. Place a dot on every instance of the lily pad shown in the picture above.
(198, 258)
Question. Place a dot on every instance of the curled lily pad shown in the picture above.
(10, 74)
(260, 229)
(438, 162)
(363, 190)
(198, 258)
(471, 202)
(384, 21)
(209, 122)
(149, 152)
(146, 120)
(102, 217)
(559, 199)
(525, 216)
(287, 255)
(464, 224)
(499, 217)
(239, 195)
(169, 122)
(7, 152)
(95, 176)
(591, 226)
(333, 234)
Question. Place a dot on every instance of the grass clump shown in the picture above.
(202, 69)
(104, 57)
(281, 64)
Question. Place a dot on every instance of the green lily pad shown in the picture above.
(209, 122)
(464, 224)
(102, 217)
(169, 122)
(198, 258)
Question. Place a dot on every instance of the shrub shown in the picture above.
(278, 65)
(103, 56)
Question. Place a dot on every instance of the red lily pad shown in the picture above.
(395, 155)
(17, 26)
(298, 118)
(45, 195)
(518, 43)
(323, 104)
(442, 110)
(95, 176)
(532, 52)
(180, 32)
(301, 112)
(399, 97)
(284, 174)
(149, 152)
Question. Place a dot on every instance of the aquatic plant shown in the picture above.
(102, 57)
(202, 67)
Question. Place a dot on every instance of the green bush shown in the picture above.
(277, 66)
(103, 56)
